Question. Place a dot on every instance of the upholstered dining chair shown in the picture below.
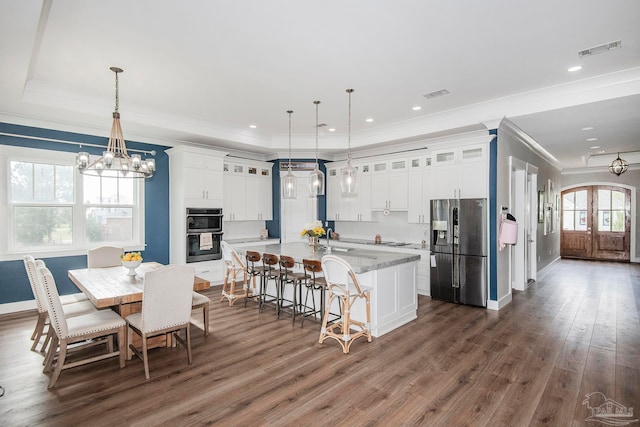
(104, 256)
(71, 330)
(72, 305)
(344, 286)
(199, 301)
(233, 267)
(166, 308)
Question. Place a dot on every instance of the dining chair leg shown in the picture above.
(189, 356)
(205, 318)
(145, 358)
(47, 339)
(38, 330)
(62, 355)
(51, 354)
(129, 343)
(122, 341)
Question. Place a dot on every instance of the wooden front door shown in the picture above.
(596, 223)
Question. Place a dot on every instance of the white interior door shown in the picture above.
(532, 223)
(295, 213)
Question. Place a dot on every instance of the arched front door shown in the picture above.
(596, 223)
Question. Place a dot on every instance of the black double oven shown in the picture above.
(204, 234)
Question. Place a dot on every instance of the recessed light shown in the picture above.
(416, 108)
(332, 129)
(574, 68)
(594, 147)
(588, 128)
(591, 139)
(253, 126)
(369, 120)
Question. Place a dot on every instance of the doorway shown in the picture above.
(523, 201)
(596, 223)
(295, 213)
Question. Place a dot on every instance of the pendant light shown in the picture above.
(349, 174)
(289, 184)
(115, 161)
(316, 177)
(618, 166)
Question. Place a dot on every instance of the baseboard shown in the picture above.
(497, 305)
(15, 307)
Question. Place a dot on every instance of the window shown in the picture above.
(52, 208)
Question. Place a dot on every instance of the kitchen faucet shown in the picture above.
(329, 234)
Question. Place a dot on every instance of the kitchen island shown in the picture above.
(390, 275)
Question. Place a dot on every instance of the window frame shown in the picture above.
(80, 245)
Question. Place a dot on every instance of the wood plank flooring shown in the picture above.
(574, 332)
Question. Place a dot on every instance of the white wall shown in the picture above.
(548, 247)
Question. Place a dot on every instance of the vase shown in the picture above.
(313, 242)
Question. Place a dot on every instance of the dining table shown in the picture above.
(113, 287)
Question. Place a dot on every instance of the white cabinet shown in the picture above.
(248, 191)
(419, 189)
(195, 181)
(460, 172)
(356, 208)
(389, 185)
(202, 184)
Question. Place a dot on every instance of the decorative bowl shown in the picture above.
(131, 265)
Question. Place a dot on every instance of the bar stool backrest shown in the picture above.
(270, 261)
(339, 272)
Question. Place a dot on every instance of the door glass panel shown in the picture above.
(617, 200)
(604, 199)
(617, 221)
(568, 202)
(604, 221)
(581, 199)
(581, 221)
(568, 221)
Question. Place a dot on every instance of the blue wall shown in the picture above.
(493, 188)
(14, 285)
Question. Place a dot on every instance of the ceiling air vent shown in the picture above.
(600, 49)
(435, 94)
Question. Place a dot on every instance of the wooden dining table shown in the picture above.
(112, 287)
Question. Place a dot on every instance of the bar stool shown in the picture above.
(343, 284)
(270, 272)
(233, 267)
(314, 282)
(289, 277)
(254, 270)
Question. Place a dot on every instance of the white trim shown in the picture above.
(502, 303)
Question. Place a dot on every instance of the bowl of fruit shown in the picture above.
(131, 260)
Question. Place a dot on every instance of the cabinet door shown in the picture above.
(266, 198)
(397, 191)
(415, 204)
(213, 187)
(379, 192)
(234, 197)
(363, 203)
(444, 182)
(194, 184)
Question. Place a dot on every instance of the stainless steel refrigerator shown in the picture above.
(459, 251)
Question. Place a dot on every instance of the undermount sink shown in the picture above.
(339, 249)
(395, 243)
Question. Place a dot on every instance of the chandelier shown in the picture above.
(618, 166)
(316, 177)
(115, 161)
(289, 184)
(349, 175)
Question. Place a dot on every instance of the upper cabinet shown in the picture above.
(419, 189)
(196, 176)
(247, 190)
(356, 208)
(389, 184)
(460, 172)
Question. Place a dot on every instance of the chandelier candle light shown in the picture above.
(115, 161)
(349, 177)
(316, 177)
(289, 185)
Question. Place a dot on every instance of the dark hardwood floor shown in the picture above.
(574, 332)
